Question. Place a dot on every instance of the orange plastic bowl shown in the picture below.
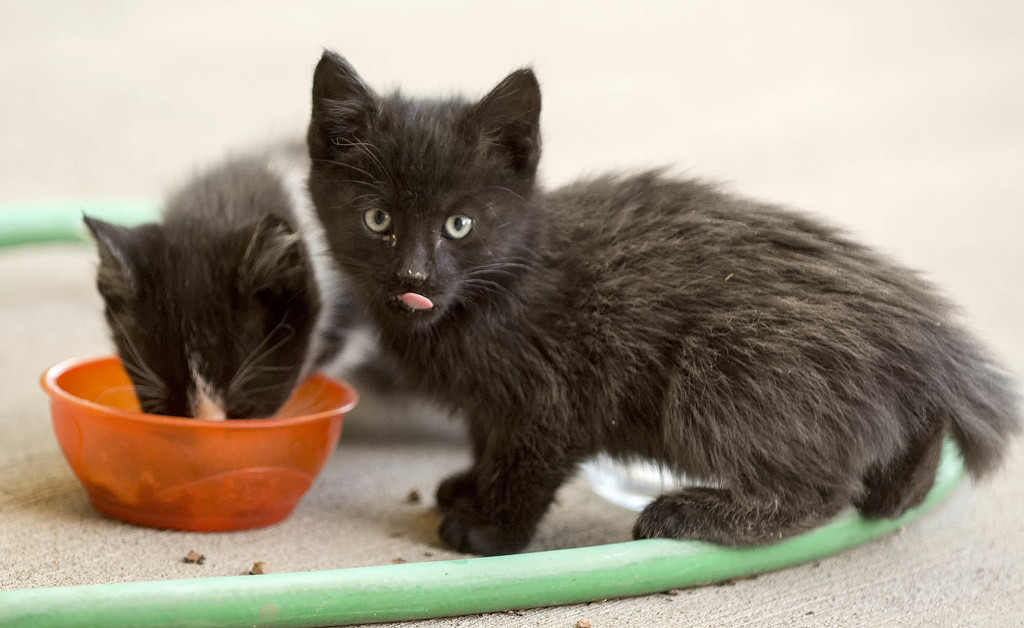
(188, 474)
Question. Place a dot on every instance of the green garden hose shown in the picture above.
(414, 590)
(62, 222)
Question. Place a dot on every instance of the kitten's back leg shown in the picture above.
(902, 483)
(723, 517)
(732, 518)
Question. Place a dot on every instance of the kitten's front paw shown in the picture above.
(457, 489)
(464, 531)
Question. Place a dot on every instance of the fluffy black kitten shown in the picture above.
(792, 369)
(223, 307)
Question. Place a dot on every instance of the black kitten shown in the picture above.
(221, 309)
(747, 345)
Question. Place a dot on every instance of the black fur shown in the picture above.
(222, 288)
(644, 316)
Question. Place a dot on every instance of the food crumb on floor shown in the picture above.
(413, 497)
(583, 623)
(258, 568)
(398, 561)
(194, 557)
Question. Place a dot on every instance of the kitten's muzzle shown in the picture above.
(411, 293)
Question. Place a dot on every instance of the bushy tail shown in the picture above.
(985, 411)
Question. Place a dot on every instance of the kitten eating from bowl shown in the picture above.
(223, 307)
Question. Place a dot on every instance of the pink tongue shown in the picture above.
(416, 301)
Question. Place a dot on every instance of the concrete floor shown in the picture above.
(903, 122)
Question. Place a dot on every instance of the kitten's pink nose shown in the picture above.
(416, 301)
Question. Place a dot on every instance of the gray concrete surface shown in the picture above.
(902, 121)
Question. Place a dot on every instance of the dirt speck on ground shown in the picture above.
(194, 557)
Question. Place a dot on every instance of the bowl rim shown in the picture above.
(48, 382)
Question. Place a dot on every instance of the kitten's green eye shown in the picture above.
(377, 220)
(458, 226)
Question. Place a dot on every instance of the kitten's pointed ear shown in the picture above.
(508, 120)
(115, 277)
(336, 79)
(342, 105)
(274, 259)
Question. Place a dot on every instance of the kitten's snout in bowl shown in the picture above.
(188, 474)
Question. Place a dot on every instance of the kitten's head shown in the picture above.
(209, 323)
(425, 203)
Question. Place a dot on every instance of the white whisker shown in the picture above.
(245, 370)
